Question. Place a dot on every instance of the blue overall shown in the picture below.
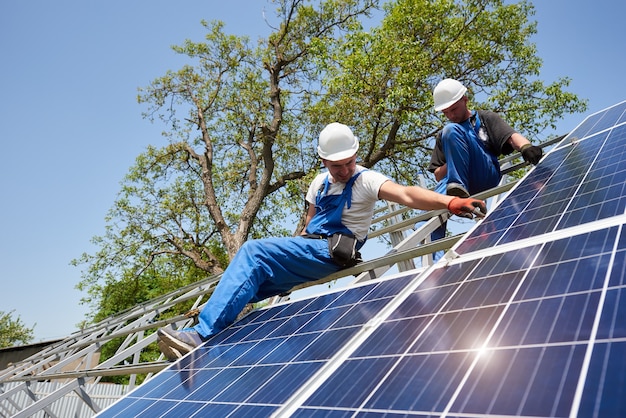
(267, 267)
(328, 209)
(469, 163)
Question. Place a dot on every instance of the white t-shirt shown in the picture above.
(364, 196)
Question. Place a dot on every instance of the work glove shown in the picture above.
(467, 207)
(531, 153)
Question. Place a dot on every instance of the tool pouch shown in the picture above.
(343, 250)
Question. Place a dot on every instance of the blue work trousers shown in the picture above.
(469, 164)
(260, 269)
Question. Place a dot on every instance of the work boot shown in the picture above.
(456, 189)
(175, 344)
(171, 354)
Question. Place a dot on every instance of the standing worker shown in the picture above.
(465, 157)
(340, 208)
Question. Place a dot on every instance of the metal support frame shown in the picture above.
(74, 363)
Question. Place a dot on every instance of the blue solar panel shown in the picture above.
(528, 320)
(259, 362)
(507, 335)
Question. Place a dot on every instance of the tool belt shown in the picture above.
(314, 236)
(342, 248)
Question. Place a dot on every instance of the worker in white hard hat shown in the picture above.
(465, 157)
(340, 208)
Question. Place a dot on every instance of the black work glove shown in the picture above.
(531, 153)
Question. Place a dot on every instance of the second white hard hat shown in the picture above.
(447, 93)
(337, 142)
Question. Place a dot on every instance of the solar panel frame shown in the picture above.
(523, 317)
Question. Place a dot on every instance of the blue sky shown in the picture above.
(70, 125)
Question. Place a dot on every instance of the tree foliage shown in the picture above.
(243, 117)
(382, 80)
(13, 331)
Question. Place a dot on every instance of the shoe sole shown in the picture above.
(457, 192)
(170, 353)
(172, 345)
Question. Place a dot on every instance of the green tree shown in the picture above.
(239, 152)
(243, 117)
(381, 81)
(13, 331)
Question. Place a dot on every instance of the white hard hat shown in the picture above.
(447, 93)
(337, 142)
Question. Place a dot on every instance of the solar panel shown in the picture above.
(524, 317)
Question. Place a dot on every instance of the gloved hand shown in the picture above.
(467, 207)
(531, 153)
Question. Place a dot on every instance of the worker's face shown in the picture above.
(341, 170)
(458, 112)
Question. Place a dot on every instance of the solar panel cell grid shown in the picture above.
(604, 391)
(618, 276)
(600, 121)
(612, 324)
(265, 357)
(535, 323)
(533, 327)
(543, 380)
